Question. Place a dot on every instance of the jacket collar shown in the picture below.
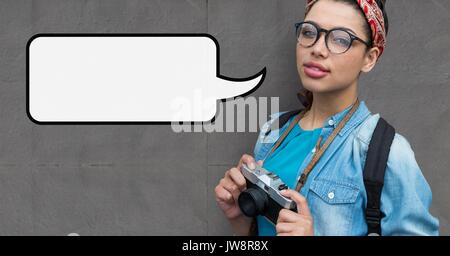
(360, 115)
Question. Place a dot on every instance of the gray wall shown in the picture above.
(126, 179)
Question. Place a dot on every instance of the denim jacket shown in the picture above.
(335, 188)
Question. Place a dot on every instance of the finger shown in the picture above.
(284, 228)
(248, 160)
(223, 195)
(230, 186)
(288, 216)
(302, 204)
(283, 234)
(260, 162)
(238, 178)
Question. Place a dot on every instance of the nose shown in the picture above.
(320, 47)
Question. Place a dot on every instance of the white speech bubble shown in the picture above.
(159, 78)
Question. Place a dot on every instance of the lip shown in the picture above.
(315, 70)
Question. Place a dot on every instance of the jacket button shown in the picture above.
(331, 122)
(331, 195)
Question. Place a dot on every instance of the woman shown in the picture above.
(337, 41)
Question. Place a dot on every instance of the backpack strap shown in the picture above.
(374, 170)
(282, 120)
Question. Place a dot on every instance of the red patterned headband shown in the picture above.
(374, 16)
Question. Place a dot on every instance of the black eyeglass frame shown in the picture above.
(327, 33)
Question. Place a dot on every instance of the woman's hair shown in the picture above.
(305, 96)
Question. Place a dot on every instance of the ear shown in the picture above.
(370, 59)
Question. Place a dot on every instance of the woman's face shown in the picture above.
(343, 68)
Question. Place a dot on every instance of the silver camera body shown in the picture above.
(263, 194)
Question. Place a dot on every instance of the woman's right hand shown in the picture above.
(231, 186)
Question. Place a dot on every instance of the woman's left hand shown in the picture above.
(292, 223)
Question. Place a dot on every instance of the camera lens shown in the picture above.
(253, 202)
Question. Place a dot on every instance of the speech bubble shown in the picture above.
(128, 78)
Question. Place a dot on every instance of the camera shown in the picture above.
(262, 196)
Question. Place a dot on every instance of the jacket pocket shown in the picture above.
(332, 205)
(333, 192)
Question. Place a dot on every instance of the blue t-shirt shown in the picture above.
(285, 161)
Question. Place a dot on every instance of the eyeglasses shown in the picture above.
(337, 40)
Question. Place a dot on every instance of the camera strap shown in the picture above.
(374, 168)
(319, 149)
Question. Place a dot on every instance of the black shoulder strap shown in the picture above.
(374, 170)
(282, 120)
